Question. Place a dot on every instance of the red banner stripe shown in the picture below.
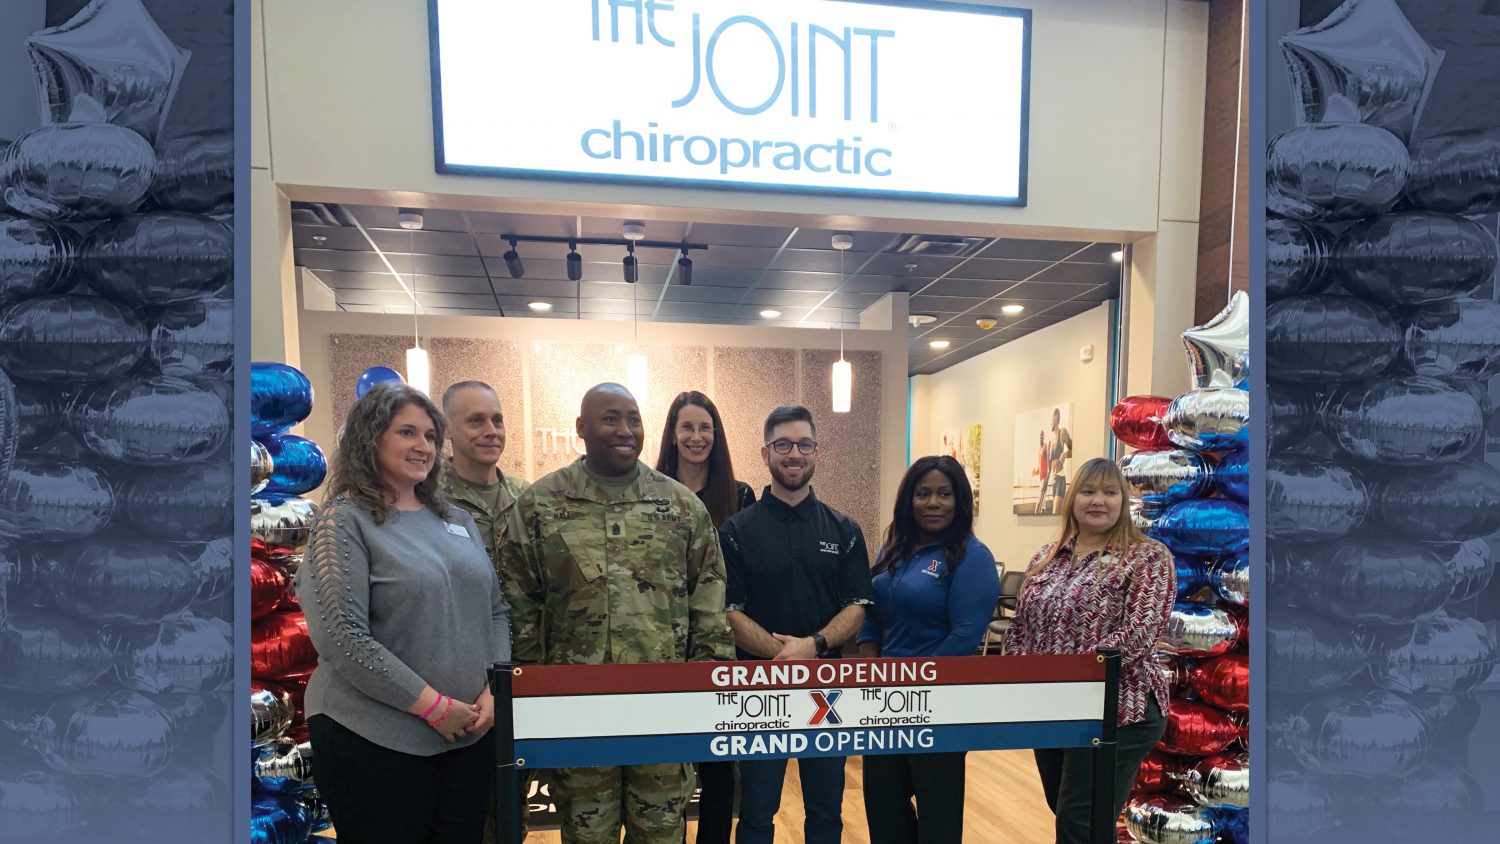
(547, 680)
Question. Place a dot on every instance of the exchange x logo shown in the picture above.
(825, 701)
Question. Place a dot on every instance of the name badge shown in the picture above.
(456, 530)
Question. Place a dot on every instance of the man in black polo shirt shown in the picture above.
(799, 581)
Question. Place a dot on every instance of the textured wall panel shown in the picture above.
(748, 384)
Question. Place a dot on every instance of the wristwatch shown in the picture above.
(820, 643)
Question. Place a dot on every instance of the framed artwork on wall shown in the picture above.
(962, 444)
(1043, 460)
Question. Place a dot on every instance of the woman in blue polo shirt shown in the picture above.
(935, 590)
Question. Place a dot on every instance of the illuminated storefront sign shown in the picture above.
(921, 100)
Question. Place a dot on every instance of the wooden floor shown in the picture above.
(1004, 804)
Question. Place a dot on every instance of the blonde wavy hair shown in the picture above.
(1124, 535)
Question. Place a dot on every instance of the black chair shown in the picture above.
(1005, 609)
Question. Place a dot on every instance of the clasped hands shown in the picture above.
(467, 719)
(795, 647)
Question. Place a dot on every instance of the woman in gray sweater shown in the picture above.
(407, 616)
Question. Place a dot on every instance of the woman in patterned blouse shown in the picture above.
(1101, 584)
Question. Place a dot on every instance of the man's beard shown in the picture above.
(807, 473)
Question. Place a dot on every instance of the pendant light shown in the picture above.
(635, 363)
(843, 373)
(418, 364)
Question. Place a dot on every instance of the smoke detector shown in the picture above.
(843, 241)
(409, 218)
(634, 230)
(985, 323)
(919, 320)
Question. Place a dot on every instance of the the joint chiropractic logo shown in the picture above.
(787, 66)
(825, 714)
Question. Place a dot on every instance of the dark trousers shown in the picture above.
(935, 780)
(1068, 775)
(715, 802)
(822, 800)
(380, 796)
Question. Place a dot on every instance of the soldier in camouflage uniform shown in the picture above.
(616, 563)
(476, 431)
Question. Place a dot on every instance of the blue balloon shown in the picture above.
(1204, 527)
(1236, 824)
(280, 397)
(1232, 476)
(278, 819)
(375, 375)
(300, 466)
(1192, 575)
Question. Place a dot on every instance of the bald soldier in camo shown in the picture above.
(615, 563)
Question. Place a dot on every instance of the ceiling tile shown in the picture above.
(724, 235)
(1004, 270)
(967, 288)
(1071, 273)
(1033, 250)
(1044, 291)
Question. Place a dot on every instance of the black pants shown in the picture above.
(1068, 775)
(936, 780)
(715, 802)
(379, 796)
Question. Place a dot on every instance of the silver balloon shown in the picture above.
(1361, 734)
(1334, 171)
(1470, 564)
(1329, 338)
(1219, 350)
(194, 339)
(1370, 579)
(1457, 172)
(10, 426)
(198, 717)
(179, 797)
(1407, 421)
(109, 62)
(1455, 339)
(76, 171)
(1448, 502)
(1308, 498)
(1307, 652)
(1289, 415)
(1209, 419)
(281, 521)
(157, 257)
(1230, 577)
(1158, 478)
(1170, 820)
(213, 564)
(1199, 629)
(47, 652)
(270, 713)
(39, 805)
(284, 769)
(106, 733)
(184, 503)
(38, 414)
(185, 654)
(120, 579)
(1438, 802)
(51, 499)
(36, 258)
(1444, 653)
(154, 420)
(195, 173)
(1450, 718)
(69, 338)
(1299, 805)
(1365, 63)
(1221, 781)
(261, 467)
(1413, 257)
(1296, 258)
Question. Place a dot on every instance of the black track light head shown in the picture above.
(685, 270)
(512, 260)
(629, 265)
(575, 263)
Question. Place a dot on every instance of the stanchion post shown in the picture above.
(507, 777)
(1101, 817)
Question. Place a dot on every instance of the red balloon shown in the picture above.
(1197, 729)
(1136, 421)
(1160, 772)
(1241, 616)
(1223, 681)
(268, 585)
(280, 644)
(275, 553)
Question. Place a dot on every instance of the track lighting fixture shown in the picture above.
(575, 262)
(629, 264)
(685, 269)
(513, 261)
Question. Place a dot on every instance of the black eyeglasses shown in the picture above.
(785, 446)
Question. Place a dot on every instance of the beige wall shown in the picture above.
(1037, 370)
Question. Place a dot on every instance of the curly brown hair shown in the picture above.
(355, 470)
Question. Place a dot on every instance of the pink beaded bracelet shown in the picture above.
(435, 703)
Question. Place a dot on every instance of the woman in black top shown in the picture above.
(695, 454)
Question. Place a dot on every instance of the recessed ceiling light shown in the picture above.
(539, 306)
(1012, 309)
(939, 344)
(770, 313)
(1117, 256)
(319, 238)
